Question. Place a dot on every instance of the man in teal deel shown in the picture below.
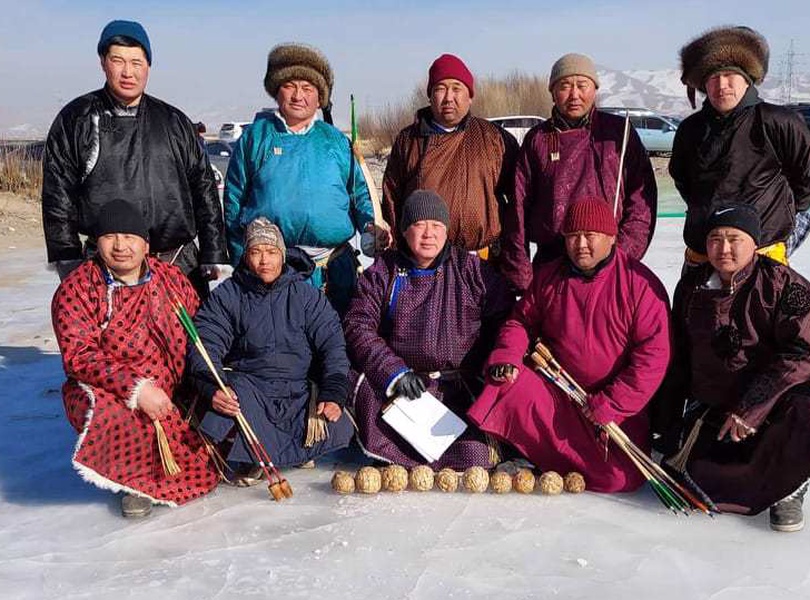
(299, 172)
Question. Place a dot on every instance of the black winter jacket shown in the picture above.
(759, 154)
(152, 160)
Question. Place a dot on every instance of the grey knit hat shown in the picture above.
(423, 205)
(299, 61)
(262, 231)
(573, 64)
(739, 49)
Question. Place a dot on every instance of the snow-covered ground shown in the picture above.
(62, 538)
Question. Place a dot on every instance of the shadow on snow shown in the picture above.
(36, 440)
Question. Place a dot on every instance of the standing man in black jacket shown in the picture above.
(738, 148)
(120, 143)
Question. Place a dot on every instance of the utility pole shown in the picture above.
(788, 66)
(787, 89)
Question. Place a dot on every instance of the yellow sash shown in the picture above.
(776, 251)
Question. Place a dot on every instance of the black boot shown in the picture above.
(787, 514)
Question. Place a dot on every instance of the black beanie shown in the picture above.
(423, 205)
(119, 216)
(739, 216)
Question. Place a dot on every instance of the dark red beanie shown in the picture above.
(448, 66)
(590, 214)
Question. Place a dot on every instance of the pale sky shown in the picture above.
(210, 57)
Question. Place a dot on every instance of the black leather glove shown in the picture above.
(409, 385)
(503, 372)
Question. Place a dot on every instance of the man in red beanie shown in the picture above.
(466, 160)
(605, 317)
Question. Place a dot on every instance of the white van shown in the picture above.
(231, 131)
(517, 125)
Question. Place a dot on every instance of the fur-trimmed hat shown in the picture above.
(730, 48)
(299, 61)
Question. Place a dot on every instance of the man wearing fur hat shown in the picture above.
(605, 317)
(465, 159)
(741, 363)
(119, 142)
(576, 154)
(300, 173)
(737, 148)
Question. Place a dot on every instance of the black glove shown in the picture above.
(502, 372)
(409, 385)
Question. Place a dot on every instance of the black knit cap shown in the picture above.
(423, 205)
(739, 216)
(119, 216)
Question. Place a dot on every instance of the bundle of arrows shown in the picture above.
(278, 487)
(669, 491)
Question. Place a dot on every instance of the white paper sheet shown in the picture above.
(425, 423)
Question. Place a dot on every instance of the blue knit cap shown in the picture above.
(130, 29)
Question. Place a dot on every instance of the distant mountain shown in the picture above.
(659, 90)
(24, 131)
(663, 91)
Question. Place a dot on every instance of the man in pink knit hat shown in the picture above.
(467, 160)
(605, 317)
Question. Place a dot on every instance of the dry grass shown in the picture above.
(515, 94)
(379, 129)
(20, 174)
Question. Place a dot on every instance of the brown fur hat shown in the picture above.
(298, 61)
(733, 48)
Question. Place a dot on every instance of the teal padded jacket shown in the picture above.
(300, 182)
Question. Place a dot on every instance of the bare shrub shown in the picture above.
(515, 94)
(379, 128)
(20, 173)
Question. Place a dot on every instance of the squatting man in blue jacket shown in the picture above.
(279, 345)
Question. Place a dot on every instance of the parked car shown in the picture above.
(655, 130)
(220, 180)
(803, 108)
(517, 125)
(218, 148)
(219, 155)
(232, 131)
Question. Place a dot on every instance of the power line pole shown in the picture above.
(787, 90)
(789, 65)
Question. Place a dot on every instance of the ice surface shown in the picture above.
(63, 538)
